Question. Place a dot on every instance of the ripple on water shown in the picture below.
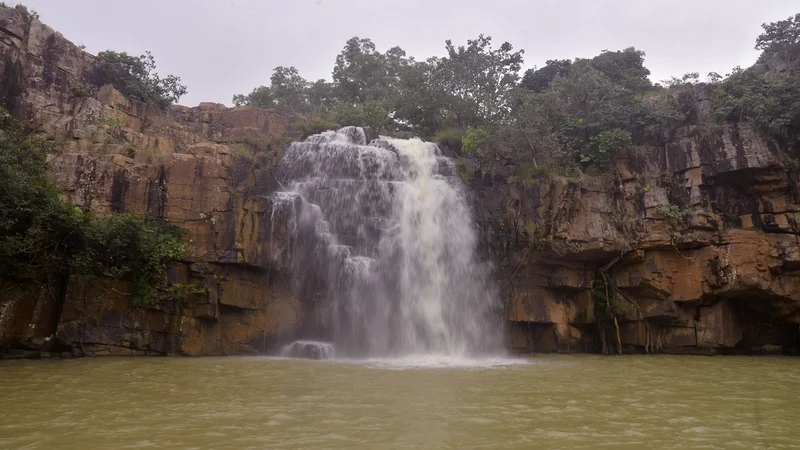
(430, 402)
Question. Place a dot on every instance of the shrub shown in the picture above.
(673, 213)
(136, 78)
(450, 137)
(462, 169)
(528, 174)
(372, 114)
(80, 90)
(473, 138)
(603, 146)
(316, 125)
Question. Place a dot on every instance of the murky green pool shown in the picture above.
(256, 403)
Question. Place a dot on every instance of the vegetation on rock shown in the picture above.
(40, 234)
(565, 115)
(136, 78)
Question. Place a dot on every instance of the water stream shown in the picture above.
(384, 231)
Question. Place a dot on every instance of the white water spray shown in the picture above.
(384, 235)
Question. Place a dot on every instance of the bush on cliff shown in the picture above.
(768, 93)
(42, 236)
(136, 78)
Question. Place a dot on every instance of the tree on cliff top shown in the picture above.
(136, 78)
(781, 38)
(768, 93)
(477, 79)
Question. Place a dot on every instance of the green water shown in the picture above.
(256, 403)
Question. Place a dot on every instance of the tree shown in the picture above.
(537, 80)
(781, 38)
(289, 90)
(136, 78)
(476, 80)
(360, 73)
(320, 96)
(261, 97)
(624, 68)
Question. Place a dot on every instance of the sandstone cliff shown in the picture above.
(202, 169)
(696, 233)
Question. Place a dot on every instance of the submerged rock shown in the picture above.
(309, 350)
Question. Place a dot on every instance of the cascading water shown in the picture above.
(385, 233)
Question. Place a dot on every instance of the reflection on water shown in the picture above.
(548, 402)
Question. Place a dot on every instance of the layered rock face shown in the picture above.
(205, 169)
(697, 235)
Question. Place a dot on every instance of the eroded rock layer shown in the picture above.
(697, 232)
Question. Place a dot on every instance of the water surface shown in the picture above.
(255, 403)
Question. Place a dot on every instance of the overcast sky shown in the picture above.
(224, 47)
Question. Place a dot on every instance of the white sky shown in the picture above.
(225, 47)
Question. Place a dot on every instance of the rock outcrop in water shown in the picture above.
(723, 277)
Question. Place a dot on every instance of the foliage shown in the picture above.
(604, 145)
(462, 169)
(687, 79)
(371, 114)
(451, 137)
(477, 79)
(111, 121)
(528, 174)
(80, 90)
(671, 212)
(538, 80)
(567, 114)
(179, 292)
(393, 92)
(261, 97)
(136, 78)
(768, 93)
(363, 74)
(781, 38)
(317, 125)
(474, 138)
(41, 234)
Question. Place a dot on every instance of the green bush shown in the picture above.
(136, 78)
(671, 212)
(372, 114)
(80, 90)
(450, 137)
(473, 138)
(603, 146)
(316, 125)
(462, 169)
(528, 174)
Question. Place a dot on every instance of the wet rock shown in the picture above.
(309, 350)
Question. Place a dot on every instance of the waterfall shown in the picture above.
(383, 234)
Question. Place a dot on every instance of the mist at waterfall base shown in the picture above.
(383, 246)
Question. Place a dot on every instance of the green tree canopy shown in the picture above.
(136, 78)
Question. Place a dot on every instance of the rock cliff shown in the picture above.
(695, 233)
(202, 169)
(688, 244)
